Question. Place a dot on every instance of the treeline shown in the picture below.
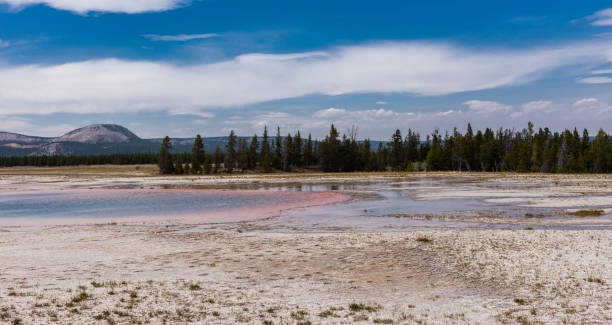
(501, 150)
(62, 160)
(525, 150)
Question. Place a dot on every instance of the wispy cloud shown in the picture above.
(593, 106)
(536, 105)
(596, 80)
(178, 38)
(114, 6)
(4, 44)
(115, 85)
(604, 71)
(483, 106)
(601, 18)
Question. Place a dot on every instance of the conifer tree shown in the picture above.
(197, 155)
(165, 159)
(252, 154)
(286, 153)
(297, 149)
(265, 157)
(217, 159)
(308, 152)
(278, 150)
(242, 155)
(230, 153)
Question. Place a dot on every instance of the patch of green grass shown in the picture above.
(17, 321)
(382, 321)
(587, 213)
(215, 313)
(194, 287)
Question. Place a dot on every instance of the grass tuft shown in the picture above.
(361, 307)
(424, 240)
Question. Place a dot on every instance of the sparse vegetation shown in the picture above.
(520, 301)
(588, 213)
(80, 297)
(356, 307)
(595, 280)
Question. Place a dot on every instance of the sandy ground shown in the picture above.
(129, 274)
(244, 273)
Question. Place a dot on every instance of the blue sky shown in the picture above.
(183, 67)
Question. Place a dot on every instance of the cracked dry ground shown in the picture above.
(153, 274)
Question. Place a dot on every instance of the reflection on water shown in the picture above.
(187, 205)
(376, 205)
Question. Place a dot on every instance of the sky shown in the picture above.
(182, 67)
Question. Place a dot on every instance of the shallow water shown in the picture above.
(374, 205)
(151, 205)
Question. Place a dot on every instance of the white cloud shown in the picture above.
(596, 80)
(601, 18)
(605, 71)
(115, 6)
(590, 106)
(446, 113)
(178, 38)
(536, 105)
(115, 85)
(483, 106)
(381, 102)
(330, 112)
(26, 126)
(585, 101)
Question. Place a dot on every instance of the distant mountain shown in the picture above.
(100, 133)
(98, 139)
(90, 140)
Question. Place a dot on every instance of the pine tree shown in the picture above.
(286, 153)
(197, 155)
(278, 150)
(308, 152)
(242, 155)
(252, 154)
(329, 151)
(397, 151)
(165, 159)
(217, 159)
(297, 150)
(230, 153)
(265, 157)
